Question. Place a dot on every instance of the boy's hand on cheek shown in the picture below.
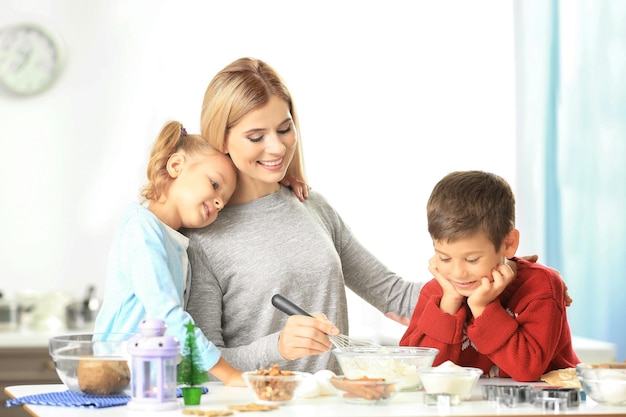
(451, 300)
(446, 285)
(489, 290)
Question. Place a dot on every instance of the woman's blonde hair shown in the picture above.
(172, 138)
(241, 87)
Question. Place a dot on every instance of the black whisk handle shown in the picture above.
(287, 306)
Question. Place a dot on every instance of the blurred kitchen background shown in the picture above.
(391, 96)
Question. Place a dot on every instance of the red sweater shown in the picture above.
(524, 332)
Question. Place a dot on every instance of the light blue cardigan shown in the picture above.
(145, 280)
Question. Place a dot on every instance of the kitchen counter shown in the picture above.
(404, 404)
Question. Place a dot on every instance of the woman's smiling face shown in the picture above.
(465, 261)
(263, 144)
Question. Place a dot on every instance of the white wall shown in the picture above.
(391, 95)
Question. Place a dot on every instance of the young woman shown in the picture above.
(267, 242)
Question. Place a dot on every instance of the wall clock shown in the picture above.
(30, 58)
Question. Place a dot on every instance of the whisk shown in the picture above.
(340, 341)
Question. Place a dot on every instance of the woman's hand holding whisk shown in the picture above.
(304, 335)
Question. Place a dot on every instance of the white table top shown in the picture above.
(403, 404)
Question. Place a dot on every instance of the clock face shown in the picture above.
(30, 59)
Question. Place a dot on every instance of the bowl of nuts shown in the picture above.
(274, 385)
(365, 390)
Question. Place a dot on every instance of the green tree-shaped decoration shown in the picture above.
(189, 369)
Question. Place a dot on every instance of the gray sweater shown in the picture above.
(277, 244)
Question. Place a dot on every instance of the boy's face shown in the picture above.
(465, 261)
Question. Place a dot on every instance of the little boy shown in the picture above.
(486, 308)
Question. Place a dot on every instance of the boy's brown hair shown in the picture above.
(464, 203)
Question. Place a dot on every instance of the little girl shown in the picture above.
(189, 182)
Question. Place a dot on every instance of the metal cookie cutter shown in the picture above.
(556, 398)
(507, 395)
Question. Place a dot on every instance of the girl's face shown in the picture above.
(202, 188)
(465, 261)
(262, 146)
